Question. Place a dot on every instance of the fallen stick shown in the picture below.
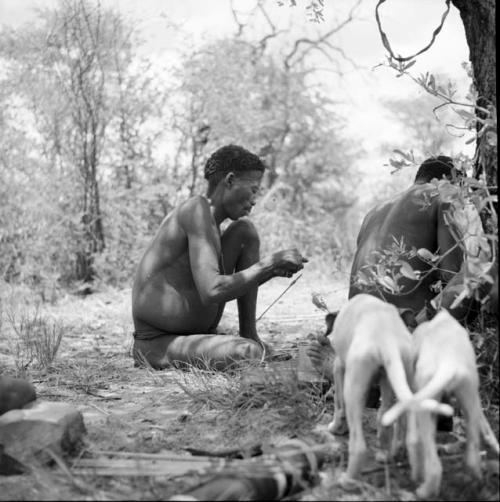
(285, 471)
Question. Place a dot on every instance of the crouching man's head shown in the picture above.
(436, 167)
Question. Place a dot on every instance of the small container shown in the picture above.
(306, 372)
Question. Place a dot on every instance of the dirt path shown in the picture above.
(129, 409)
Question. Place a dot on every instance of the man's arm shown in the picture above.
(455, 264)
(447, 245)
(204, 244)
(365, 225)
(449, 265)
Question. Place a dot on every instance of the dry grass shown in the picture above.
(36, 338)
(263, 400)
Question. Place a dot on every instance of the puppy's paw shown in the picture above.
(338, 426)
(349, 484)
(424, 492)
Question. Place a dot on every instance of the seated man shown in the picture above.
(417, 218)
(190, 270)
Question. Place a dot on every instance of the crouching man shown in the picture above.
(419, 217)
(191, 269)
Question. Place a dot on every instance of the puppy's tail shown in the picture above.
(488, 435)
(424, 398)
(396, 374)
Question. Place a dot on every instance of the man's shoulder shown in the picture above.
(193, 212)
(194, 203)
(380, 210)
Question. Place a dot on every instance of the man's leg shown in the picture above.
(218, 352)
(240, 250)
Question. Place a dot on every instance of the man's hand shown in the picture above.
(287, 262)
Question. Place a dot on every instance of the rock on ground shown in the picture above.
(27, 435)
(15, 393)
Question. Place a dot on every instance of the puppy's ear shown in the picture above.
(408, 317)
(330, 320)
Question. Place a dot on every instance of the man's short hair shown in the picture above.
(230, 158)
(435, 167)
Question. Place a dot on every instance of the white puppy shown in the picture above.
(369, 336)
(445, 363)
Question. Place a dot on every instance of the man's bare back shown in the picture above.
(416, 218)
(164, 296)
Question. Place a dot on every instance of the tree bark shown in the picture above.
(478, 17)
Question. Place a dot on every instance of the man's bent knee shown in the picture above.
(243, 230)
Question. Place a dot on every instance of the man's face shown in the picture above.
(242, 193)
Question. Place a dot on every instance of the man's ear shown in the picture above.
(229, 178)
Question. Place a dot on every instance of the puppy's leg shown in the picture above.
(338, 425)
(432, 468)
(358, 377)
(414, 447)
(385, 435)
(468, 398)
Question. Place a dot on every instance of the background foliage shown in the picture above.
(99, 143)
(96, 148)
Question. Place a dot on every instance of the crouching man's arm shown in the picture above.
(466, 259)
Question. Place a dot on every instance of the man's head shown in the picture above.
(435, 167)
(227, 159)
(235, 174)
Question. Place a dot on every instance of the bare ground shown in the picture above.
(141, 411)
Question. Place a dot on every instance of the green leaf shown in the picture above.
(407, 271)
(387, 282)
(465, 114)
(399, 152)
(425, 254)
(491, 138)
(410, 64)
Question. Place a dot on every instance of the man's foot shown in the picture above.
(321, 354)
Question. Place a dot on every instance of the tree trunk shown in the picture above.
(194, 169)
(478, 17)
(93, 234)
